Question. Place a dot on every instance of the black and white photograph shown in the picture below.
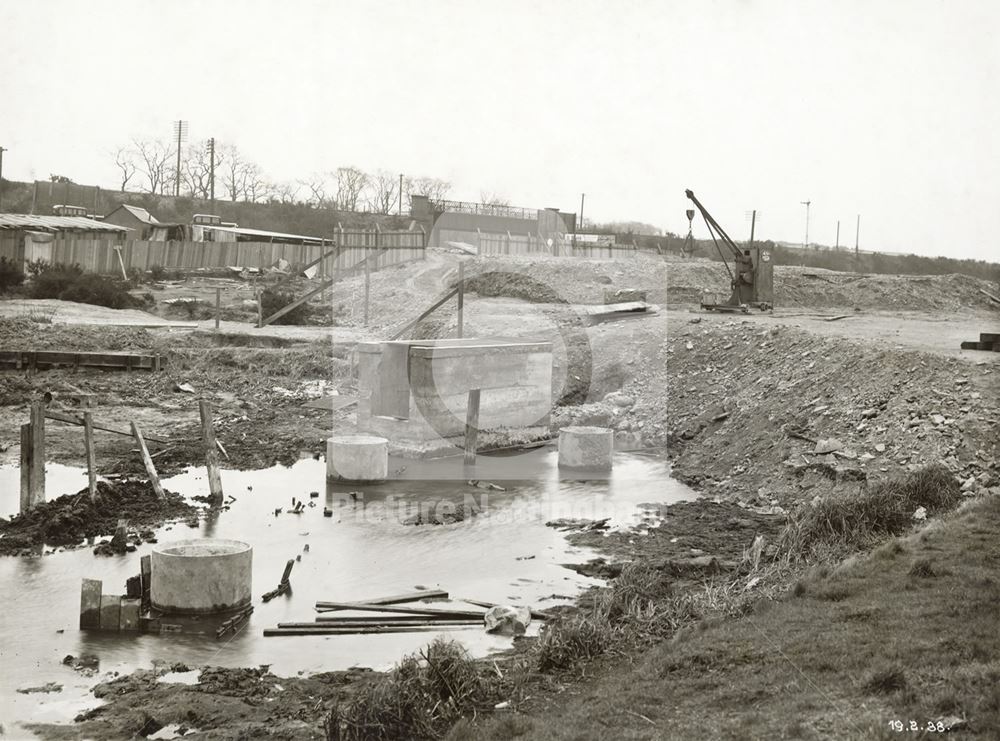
(563, 370)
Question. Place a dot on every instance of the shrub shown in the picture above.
(271, 301)
(421, 698)
(11, 274)
(856, 521)
(70, 283)
(565, 643)
(156, 272)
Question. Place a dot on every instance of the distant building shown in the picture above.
(133, 217)
(465, 222)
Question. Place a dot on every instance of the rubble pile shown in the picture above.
(775, 416)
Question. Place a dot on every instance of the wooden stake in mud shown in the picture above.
(461, 299)
(260, 310)
(37, 453)
(88, 442)
(211, 452)
(26, 456)
(471, 427)
(368, 278)
(218, 305)
(148, 462)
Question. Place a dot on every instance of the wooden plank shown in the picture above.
(407, 327)
(397, 599)
(989, 337)
(288, 571)
(211, 453)
(269, 632)
(37, 490)
(74, 420)
(26, 457)
(88, 443)
(471, 427)
(50, 358)
(989, 295)
(90, 604)
(111, 607)
(970, 345)
(397, 620)
(362, 607)
(154, 479)
(461, 299)
(129, 619)
(535, 614)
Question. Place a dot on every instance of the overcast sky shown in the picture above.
(887, 108)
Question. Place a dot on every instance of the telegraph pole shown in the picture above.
(2, 150)
(582, 196)
(180, 130)
(857, 231)
(400, 194)
(837, 246)
(806, 204)
(211, 171)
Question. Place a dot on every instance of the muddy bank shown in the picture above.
(223, 704)
(74, 518)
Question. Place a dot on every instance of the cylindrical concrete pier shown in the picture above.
(357, 458)
(586, 447)
(191, 577)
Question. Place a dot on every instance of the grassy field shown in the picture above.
(907, 634)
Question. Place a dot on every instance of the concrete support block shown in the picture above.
(586, 447)
(111, 608)
(191, 577)
(90, 604)
(357, 458)
(129, 614)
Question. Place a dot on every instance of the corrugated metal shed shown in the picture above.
(57, 224)
(263, 236)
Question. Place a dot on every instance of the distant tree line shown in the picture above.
(150, 166)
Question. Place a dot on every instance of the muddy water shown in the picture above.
(505, 554)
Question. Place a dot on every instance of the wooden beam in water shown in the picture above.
(357, 631)
(362, 607)
(397, 599)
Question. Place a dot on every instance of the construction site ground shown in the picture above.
(737, 401)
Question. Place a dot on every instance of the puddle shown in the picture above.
(505, 554)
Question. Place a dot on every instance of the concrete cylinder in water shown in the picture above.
(190, 577)
(358, 458)
(586, 447)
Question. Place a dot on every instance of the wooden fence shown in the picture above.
(98, 256)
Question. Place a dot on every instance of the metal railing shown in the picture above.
(486, 209)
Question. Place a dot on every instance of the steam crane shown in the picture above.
(752, 274)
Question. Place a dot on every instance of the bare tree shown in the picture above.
(256, 187)
(434, 188)
(154, 163)
(232, 173)
(492, 199)
(196, 169)
(383, 191)
(125, 162)
(350, 183)
(317, 186)
(285, 192)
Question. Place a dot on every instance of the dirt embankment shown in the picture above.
(741, 407)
